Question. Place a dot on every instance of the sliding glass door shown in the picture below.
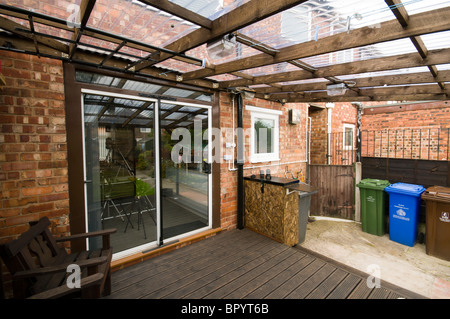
(146, 171)
(185, 172)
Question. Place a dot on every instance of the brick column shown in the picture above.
(33, 156)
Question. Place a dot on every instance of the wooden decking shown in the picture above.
(241, 264)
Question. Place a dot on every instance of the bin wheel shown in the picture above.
(421, 238)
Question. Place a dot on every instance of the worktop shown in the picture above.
(279, 181)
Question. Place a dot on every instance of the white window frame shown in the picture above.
(262, 113)
(352, 127)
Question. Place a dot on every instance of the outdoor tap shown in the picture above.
(261, 176)
(289, 172)
(286, 171)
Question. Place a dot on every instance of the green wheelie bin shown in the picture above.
(373, 199)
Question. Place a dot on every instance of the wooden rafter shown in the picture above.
(422, 23)
(408, 60)
(271, 51)
(91, 58)
(16, 28)
(244, 15)
(402, 16)
(351, 96)
(180, 12)
(86, 8)
(376, 81)
(298, 98)
(363, 88)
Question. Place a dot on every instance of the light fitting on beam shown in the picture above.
(336, 89)
(349, 18)
(245, 92)
(179, 78)
(222, 47)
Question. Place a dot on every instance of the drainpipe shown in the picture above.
(357, 165)
(240, 162)
(329, 107)
(358, 130)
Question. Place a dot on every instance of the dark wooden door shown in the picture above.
(335, 197)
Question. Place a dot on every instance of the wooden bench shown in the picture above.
(39, 267)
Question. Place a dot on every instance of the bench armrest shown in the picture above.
(59, 268)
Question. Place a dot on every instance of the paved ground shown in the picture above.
(408, 267)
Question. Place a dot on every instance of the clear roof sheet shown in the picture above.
(211, 9)
(62, 9)
(138, 22)
(316, 19)
(309, 21)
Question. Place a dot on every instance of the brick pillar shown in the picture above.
(33, 150)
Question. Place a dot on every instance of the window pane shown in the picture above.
(348, 136)
(264, 135)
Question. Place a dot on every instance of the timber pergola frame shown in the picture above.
(399, 87)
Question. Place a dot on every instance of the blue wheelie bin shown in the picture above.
(404, 210)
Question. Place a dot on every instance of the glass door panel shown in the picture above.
(119, 139)
(185, 174)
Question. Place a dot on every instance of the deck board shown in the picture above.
(242, 264)
(345, 287)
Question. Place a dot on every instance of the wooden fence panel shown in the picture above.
(413, 171)
(335, 197)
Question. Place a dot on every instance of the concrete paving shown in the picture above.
(407, 267)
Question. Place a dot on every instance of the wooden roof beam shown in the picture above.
(271, 51)
(15, 28)
(390, 94)
(398, 97)
(244, 15)
(268, 50)
(364, 91)
(89, 58)
(409, 60)
(398, 9)
(404, 79)
(422, 23)
(180, 12)
(86, 8)
(254, 44)
(402, 16)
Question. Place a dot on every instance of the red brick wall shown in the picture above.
(341, 113)
(435, 114)
(319, 120)
(292, 148)
(419, 130)
(33, 157)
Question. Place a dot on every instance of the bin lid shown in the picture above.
(437, 193)
(406, 189)
(378, 184)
